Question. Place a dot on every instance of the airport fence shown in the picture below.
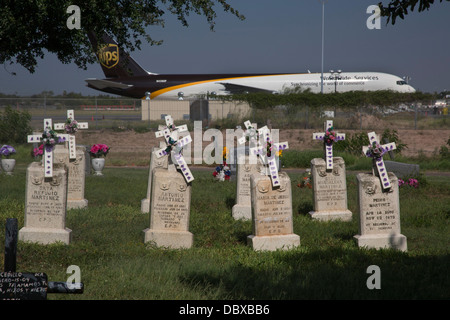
(120, 114)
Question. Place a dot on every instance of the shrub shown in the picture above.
(14, 126)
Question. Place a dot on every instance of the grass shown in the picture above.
(107, 244)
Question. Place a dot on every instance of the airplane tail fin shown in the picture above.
(115, 62)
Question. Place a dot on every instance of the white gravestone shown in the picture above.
(45, 206)
(76, 175)
(329, 180)
(73, 157)
(329, 191)
(271, 198)
(170, 210)
(243, 207)
(272, 214)
(379, 213)
(155, 162)
(378, 202)
(245, 168)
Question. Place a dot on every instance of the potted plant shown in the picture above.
(98, 152)
(7, 164)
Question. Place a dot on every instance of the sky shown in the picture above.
(277, 36)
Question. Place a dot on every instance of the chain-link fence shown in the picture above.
(140, 115)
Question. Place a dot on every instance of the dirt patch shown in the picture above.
(129, 148)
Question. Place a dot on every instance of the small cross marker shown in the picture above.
(328, 137)
(175, 145)
(71, 126)
(376, 151)
(49, 138)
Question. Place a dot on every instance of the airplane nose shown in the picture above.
(411, 89)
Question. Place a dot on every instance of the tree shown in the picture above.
(30, 28)
(399, 8)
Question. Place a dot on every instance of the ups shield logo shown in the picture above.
(109, 55)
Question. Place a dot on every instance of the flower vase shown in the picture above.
(98, 164)
(8, 165)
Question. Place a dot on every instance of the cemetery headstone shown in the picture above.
(329, 191)
(45, 205)
(271, 198)
(170, 210)
(155, 162)
(402, 170)
(379, 213)
(76, 175)
(243, 207)
(170, 203)
(272, 214)
(378, 202)
(73, 157)
(329, 180)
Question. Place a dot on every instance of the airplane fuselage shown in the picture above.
(174, 86)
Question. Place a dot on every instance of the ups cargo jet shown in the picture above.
(125, 77)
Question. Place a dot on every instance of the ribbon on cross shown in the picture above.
(266, 152)
(48, 138)
(328, 137)
(376, 151)
(174, 145)
(71, 126)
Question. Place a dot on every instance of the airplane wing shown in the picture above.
(106, 84)
(237, 88)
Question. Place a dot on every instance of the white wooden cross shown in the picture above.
(170, 133)
(378, 162)
(251, 133)
(265, 137)
(328, 147)
(48, 152)
(71, 137)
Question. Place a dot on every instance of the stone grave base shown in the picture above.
(170, 239)
(345, 215)
(272, 243)
(77, 204)
(145, 205)
(241, 212)
(45, 235)
(382, 241)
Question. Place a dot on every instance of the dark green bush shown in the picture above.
(14, 126)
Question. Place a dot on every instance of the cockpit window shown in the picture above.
(401, 82)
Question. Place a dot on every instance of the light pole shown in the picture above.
(336, 75)
(323, 30)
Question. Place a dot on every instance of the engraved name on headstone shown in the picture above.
(170, 210)
(379, 213)
(272, 214)
(45, 206)
(329, 191)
